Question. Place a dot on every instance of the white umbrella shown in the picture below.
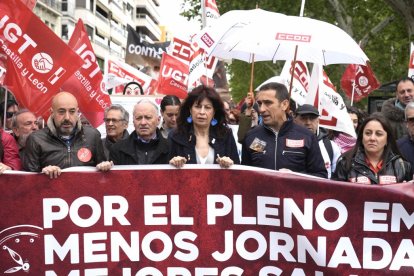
(274, 36)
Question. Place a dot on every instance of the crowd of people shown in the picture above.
(273, 132)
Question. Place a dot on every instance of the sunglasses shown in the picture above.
(10, 114)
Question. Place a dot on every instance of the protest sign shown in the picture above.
(156, 220)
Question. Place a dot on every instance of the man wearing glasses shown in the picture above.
(116, 124)
(406, 143)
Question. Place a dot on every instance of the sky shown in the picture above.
(177, 25)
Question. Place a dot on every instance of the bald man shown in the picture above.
(145, 145)
(64, 142)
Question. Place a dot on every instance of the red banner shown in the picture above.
(86, 84)
(159, 221)
(38, 61)
(173, 77)
(364, 79)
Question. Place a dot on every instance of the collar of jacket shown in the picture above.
(360, 158)
(284, 128)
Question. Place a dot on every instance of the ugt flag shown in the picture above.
(86, 84)
(362, 78)
(39, 62)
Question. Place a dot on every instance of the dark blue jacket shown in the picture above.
(406, 147)
(182, 144)
(293, 147)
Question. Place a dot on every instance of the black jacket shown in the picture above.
(394, 170)
(44, 148)
(406, 147)
(132, 151)
(107, 143)
(184, 145)
(293, 147)
(395, 117)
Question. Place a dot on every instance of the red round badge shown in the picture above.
(84, 154)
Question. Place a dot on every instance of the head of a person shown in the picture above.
(376, 137)
(405, 91)
(409, 119)
(116, 121)
(227, 109)
(234, 116)
(254, 112)
(133, 88)
(24, 123)
(146, 119)
(203, 108)
(354, 115)
(308, 116)
(170, 107)
(273, 101)
(11, 108)
(65, 113)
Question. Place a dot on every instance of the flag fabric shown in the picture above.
(38, 61)
(411, 65)
(30, 3)
(118, 73)
(331, 106)
(300, 84)
(200, 67)
(209, 12)
(358, 80)
(173, 77)
(86, 84)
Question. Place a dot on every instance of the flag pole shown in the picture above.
(5, 108)
(251, 72)
(353, 92)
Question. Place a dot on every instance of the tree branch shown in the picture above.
(344, 21)
(378, 28)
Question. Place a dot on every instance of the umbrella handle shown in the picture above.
(291, 75)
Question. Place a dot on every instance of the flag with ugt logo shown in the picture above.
(39, 62)
(86, 84)
(362, 78)
(173, 77)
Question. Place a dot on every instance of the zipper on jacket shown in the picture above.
(276, 134)
(290, 151)
(69, 151)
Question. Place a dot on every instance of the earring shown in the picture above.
(189, 119)
(213, 122)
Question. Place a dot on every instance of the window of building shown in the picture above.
(65, 31)
(81, 4)
(64, 5)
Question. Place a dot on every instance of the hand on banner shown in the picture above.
(224, 162)
(52, 171)
(284, 170)
(178, 161)
(3, 168)
(105, 166)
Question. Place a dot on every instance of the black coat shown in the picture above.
(184, 145)
(133, 151)
(406, 147)
(293, 147)
(394, 170)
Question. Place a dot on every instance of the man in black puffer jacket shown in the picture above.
(280, 144)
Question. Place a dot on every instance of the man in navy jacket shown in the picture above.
(280, 144)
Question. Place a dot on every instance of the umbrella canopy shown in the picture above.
(220, 38)
(274, 36)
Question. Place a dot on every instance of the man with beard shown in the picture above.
(24, 123)
(64, 142)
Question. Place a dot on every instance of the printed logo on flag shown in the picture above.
(207, 40)
(42, 63)
(293, 37)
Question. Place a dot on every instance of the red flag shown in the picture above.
(173, 77)
(364, 79)
(30, 3)
(39, 62)
(86, 83)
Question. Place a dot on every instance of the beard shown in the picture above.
(63, 129)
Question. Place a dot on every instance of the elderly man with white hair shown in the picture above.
(145, 145)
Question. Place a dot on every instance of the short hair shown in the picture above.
(409, 106)
(405, 79)
(124, 113)
(281, 92)
(146, 101)
(169, 100)
(21, 111)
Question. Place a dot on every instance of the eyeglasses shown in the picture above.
(10, 114)
(115, 121)
(410, 120)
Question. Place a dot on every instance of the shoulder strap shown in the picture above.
(328, 147)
